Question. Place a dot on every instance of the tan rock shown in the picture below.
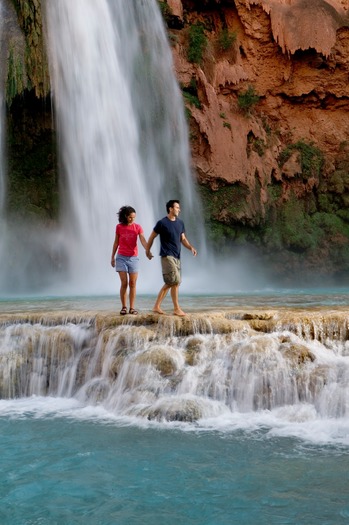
(176, 8)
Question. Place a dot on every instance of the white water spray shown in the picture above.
(275, 379)
(123, 135)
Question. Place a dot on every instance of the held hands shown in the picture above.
(149, 254)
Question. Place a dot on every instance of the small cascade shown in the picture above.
(171, 369)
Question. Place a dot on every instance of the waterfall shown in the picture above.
(122, 130)
(122, 139)
(210, 365)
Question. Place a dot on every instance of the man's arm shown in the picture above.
(187, 244)
(150, 244)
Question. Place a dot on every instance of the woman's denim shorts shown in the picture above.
(126, 264)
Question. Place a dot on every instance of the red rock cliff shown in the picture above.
(268, 101)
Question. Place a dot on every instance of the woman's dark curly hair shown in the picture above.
(124, 212)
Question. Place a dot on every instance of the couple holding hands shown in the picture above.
(172, 235)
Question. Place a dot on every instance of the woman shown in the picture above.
(126, 262)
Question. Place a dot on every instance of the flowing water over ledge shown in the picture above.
(237, 413)
(293, 363)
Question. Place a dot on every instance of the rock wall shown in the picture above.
(268, 104)
(32, 178)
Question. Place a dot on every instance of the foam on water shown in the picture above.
(297, 421)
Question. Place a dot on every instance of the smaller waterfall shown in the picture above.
(206, 367)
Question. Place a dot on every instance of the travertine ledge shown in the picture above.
(314, 324)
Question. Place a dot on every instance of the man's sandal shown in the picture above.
(123, 310)
(132, 311)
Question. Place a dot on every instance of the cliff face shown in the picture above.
(268, 104)
(32, 181)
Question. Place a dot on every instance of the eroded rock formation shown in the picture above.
(269, 128)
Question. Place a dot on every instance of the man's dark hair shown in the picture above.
(124, 212)
(170, 204)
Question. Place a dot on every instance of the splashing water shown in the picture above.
(210, 371)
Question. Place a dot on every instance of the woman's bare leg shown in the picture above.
(123, 288)
(132, 284)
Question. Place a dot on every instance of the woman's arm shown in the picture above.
(114, 250)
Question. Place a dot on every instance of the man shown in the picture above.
(172, 235)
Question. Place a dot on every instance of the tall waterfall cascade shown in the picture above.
(121, 122)
(123, 140)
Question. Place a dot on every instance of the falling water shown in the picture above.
(122, 129)
(212, 366)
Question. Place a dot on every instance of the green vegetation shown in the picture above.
(190, 94)
(15, 82)
(256, 144)
(35, 60)
(266, 126)
(231, 199)
(311, 158)
(226, 125)
(248, 99)
(192, 99)
(197, 43)
(226, 39)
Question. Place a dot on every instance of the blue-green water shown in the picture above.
(58, 470)
(273, 298)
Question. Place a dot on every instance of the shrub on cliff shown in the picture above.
(226, 39)
(197, 43)
(248, 99)
(311, 158)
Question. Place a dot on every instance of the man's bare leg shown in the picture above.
(174, 295)
(161, 296)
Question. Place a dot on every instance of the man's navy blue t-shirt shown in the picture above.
(170, 236)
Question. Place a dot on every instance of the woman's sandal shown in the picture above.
(132, 311)
(123, 310)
